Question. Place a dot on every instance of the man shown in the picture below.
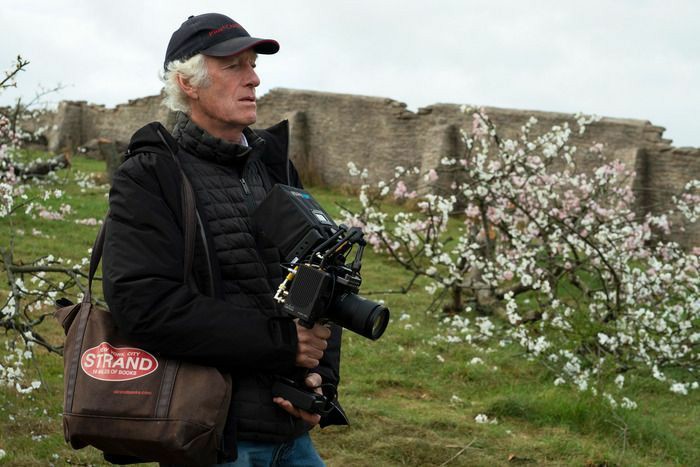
(231, 321)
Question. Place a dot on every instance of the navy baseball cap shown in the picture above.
(216, 35)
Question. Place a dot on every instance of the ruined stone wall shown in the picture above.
(380, 133)
(122, 121)
(340, 128)
(621, 137)
(329, 130)
(76, 123)
(662, 174)
(67, 130)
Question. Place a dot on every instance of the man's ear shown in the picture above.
(187, 87)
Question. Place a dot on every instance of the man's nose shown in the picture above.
(253, 78)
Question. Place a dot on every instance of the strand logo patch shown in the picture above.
(108, 363)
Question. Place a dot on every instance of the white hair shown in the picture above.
(194, 70)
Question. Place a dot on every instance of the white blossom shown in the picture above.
(620, 381)
(680, 388)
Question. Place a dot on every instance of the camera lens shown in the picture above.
(379, 320)
(365, 317)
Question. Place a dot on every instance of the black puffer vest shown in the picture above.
(229, 181)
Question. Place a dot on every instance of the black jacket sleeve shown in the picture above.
(143, 281)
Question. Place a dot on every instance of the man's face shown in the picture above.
(228, 102)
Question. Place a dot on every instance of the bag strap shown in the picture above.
(189, 215)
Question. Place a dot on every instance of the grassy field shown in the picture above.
(411, 401)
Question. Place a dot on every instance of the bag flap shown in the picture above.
(66, 313)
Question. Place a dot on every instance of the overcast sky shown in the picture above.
(617, 58)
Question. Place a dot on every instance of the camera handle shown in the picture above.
(298, 393)
(301, 396)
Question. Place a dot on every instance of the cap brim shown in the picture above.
(239, 44)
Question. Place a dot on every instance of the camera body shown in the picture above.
(320, 287)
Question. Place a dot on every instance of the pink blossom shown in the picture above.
(90, 221)
(374, 240)
(596, 148)
(690, 198)
(663, 224)
(618, 167)
(400, 190)
(561, 215)
(507, 275)
(432, 176)
(49, 215)
(494, 166)
(493, 215)
(472, 211)
(479, 127)
(355, 222)
(534, 161)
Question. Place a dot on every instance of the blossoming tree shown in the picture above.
(520, 232)
(33, 284)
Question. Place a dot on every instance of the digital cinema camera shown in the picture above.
(320, 287)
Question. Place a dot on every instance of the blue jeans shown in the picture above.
(299, 452)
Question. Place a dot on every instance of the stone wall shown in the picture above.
(372, 132)
(380, 133)
(328, 130)
(76, 123)
(660, 175)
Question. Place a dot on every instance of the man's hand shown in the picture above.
(313, 381)
(312, 343)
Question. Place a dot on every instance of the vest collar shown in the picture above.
(201, 144)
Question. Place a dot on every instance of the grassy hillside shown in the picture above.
(411, 401)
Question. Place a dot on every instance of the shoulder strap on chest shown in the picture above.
(166, 144)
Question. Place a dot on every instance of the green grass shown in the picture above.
(411, 402)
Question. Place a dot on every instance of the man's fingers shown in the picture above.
(322, 332)
(312, 343)
(310, 351)
(306, 362)
(308, 357)
(320, 344)
(310, 418)
(315, 337)
(312, 340)
(313, 380)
